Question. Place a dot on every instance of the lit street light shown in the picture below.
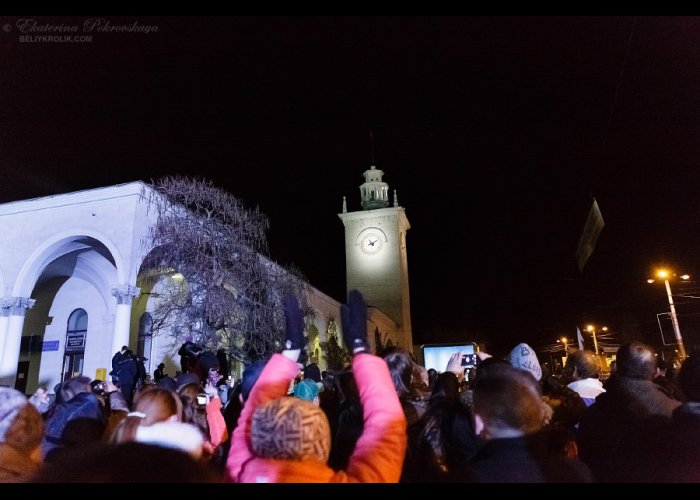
(591, 329)
(666, 275)
(565, 341)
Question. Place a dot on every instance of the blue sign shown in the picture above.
(50, 345)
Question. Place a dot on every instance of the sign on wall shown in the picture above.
(75, 342)
(49, 345)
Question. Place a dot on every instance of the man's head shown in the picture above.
(581, 365)
(507, 403)
(74, 386)
(636, 360)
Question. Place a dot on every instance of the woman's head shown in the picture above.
(150, 407)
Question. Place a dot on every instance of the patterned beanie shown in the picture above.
(21, 425)
(523, 356)
(292, 429)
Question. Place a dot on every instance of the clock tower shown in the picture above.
(375, 253)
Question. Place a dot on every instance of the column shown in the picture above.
(4, 319)
(122, 317)
(13, 338)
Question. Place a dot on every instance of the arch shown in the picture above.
(47, 251)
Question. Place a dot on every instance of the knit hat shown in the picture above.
(306, 389)
(21, 425)
(292, 429)
(523, 356)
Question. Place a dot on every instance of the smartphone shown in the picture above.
(202, 399)
(470, 360)
(437, 356)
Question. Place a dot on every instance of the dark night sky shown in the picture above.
(494, 131)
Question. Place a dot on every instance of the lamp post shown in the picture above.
(666, 275)
(565, 341)
(591, 329)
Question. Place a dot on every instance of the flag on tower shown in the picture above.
(580, 338)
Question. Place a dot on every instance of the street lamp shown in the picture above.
(565, 341)
(591, 329)
(665, 275)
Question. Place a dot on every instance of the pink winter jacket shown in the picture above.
(379, 452)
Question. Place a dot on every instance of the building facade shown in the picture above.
(71, 289)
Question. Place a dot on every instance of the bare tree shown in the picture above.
(220, 288)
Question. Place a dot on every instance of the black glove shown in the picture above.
(353, 317)
(294, 323)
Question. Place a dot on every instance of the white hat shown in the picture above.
(523, 356)
(176, 435)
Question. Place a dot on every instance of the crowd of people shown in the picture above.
(380, 419)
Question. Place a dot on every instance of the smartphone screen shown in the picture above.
(437, 356)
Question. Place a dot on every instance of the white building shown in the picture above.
(70, 295)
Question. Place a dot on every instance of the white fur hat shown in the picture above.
(177, 435)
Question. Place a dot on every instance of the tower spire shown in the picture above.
(374, 192)
(371, 147)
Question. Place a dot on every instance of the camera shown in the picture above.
(202, 399)
(98, 387)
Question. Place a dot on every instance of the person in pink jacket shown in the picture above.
(286, 439)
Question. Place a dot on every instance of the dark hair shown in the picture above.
(508, 398)
(312, 372)
(446, 387)
(250, 376)
(74, 386)
(401, 370)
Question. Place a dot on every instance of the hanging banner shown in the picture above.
(589, 237)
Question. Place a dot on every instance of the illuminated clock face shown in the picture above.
(371, 243)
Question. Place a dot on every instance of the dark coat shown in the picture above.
(666, 453)
(78, 421)
(521, 460)
(630, 410)
(442, 439)
(127, 370)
